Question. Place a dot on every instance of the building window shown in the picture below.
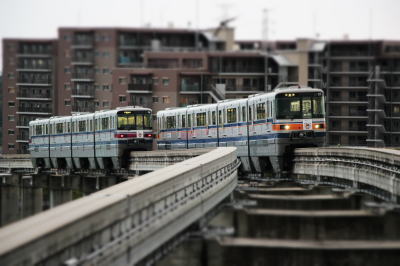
(10, 75)
(106, 54)
(67, 70)
(67, 86)
(155, 81)
(106, 87)
(166, 99)
(11, 146)
(165, 81)
(67, 37)
(97, 53)
(106, 104)
(11, 132)
(97, 70)
(11, 118)
(122, 80)
(155, 99)
(122, 98)
(106, 71)
(11, 104)
(97, 103)
(97, 87)
(11, 90)
(67, 103)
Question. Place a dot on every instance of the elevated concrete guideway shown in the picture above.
(125, 223)
(371, 170)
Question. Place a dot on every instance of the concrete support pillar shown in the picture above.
(9, 199)
(59, 196)
(59, 190)
(31, 195)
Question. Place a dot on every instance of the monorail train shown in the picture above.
(265, 128)
(100, 140)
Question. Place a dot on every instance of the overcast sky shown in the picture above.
(287, 19)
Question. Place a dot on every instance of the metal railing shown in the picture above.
(140, 87)
(34, 109)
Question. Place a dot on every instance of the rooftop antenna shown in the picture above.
(225, 8)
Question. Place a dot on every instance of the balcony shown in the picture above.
(35, 52)
(46, 96)
(83, 92)
(82, 60)
(140, 88)
(82, 76)
(83, 107)
(190, 87)
(82, 43)
(243, 89)
(34, 110)
(23, 137)
(34, 81)
(34, 68)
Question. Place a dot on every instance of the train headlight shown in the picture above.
(287, 127)
(317, 126)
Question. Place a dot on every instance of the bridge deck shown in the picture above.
(309, 244)
(311, 213)
(297, 197)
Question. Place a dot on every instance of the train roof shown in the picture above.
(85, 115)
(254, 97)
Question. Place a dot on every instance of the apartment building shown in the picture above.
(75, 72)
(362, 83)
(29, 68)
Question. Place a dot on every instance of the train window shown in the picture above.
(231, 115)
(82, 126)
(220, 117)
(139, 122)
(51, 129)
(183, 121)
(69, 127)
(201, 119)
(105, 123)
(90, 125)
(213, 118)
(260, 111)
(39, 130)
(170, 122)
(189, 120)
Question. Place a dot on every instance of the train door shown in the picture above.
(191, 136)
(212, 125)
(242, 129)
(269, 116)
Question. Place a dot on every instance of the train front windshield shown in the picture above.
(305, 105)
(134, 120)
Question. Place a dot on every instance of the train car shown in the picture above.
(100, 140)
(265, 128)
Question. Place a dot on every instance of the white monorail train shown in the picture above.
(100, 140)
(265, 128)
